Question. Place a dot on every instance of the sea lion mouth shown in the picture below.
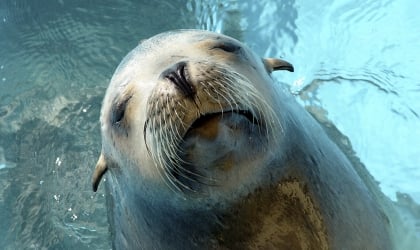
(206, 118)
(213, 144)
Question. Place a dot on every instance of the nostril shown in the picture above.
(178, 75)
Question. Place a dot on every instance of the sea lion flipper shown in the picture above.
(100, 169)
(273, 64)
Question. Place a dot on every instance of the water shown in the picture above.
(356, 65)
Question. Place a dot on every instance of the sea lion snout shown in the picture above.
(178, 75)
(204, 109)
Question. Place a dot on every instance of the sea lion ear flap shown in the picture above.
(272, 64)
(100, 170)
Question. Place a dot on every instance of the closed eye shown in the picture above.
(118, 111)
(228, 47)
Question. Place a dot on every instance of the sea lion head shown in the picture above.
(191, 112)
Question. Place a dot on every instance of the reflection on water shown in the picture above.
(356, 62)
(365, 64)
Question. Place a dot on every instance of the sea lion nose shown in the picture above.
(178, 75)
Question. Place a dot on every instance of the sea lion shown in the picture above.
(205, 151)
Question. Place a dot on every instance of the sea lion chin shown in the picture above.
(203, 149)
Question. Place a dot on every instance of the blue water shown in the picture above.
(357, 65)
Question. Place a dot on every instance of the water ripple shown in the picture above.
(355, 61)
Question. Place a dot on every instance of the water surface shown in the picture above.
(356, 66)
